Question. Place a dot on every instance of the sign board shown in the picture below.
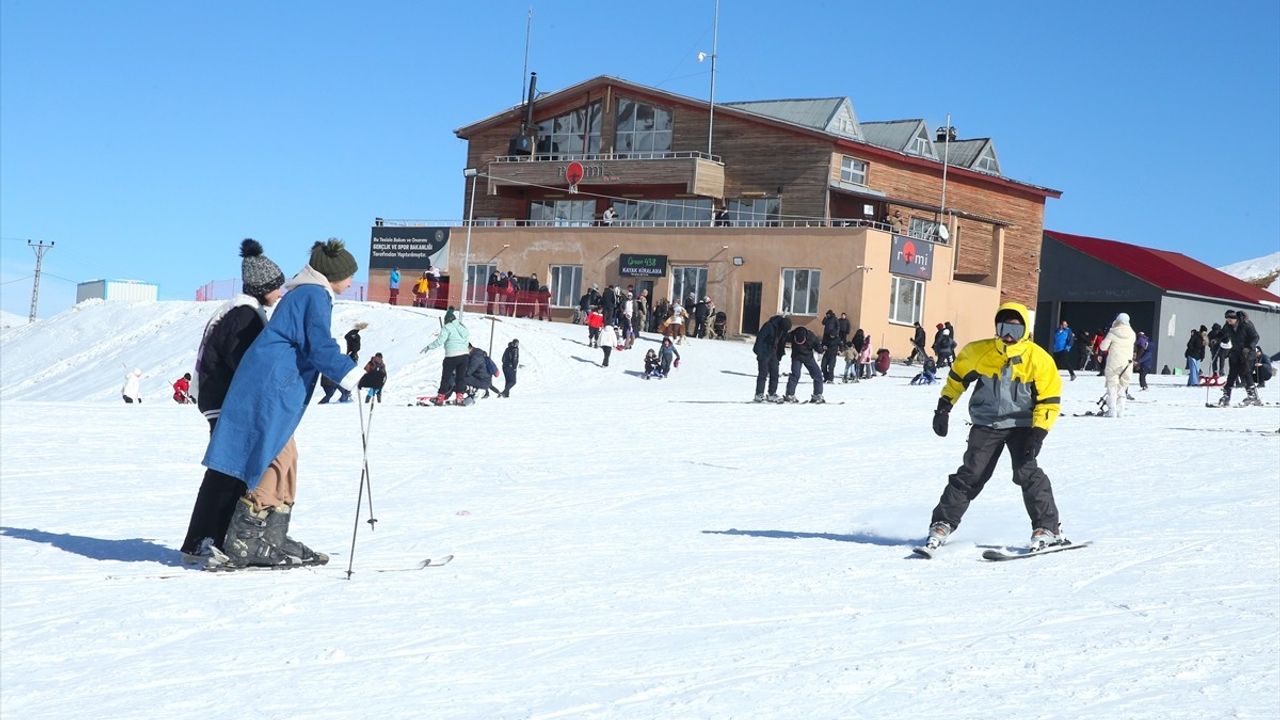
(408, 247)
(632, 265)
(911, 257)
(574, 172)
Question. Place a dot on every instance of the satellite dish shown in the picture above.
(943, 233)
(702, 56)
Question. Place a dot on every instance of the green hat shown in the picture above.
(331, 259)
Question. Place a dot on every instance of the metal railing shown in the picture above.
(596, 223)
(598, 157)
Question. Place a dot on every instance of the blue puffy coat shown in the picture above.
(273, 384)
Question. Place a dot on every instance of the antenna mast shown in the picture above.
(715, 36)
(528, 30)
(40, 249)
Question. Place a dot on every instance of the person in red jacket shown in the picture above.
(182, 390)
(595, 321)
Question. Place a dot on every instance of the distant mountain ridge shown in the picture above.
(1262, 272)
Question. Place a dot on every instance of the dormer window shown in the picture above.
(920, 144)
(987, 162)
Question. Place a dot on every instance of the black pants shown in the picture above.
(1219, 359)
(453, 374)
(815, 372)
(916, 352)
(215, 504)
(1142, 376)
(767, 369)
(510, 374)
(985, 446)
(829, 365)
(1239, 369)
(607, 350)
(1063, 359)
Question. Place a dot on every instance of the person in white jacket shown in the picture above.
(1118, 345)
(608, 338)
(132, 392)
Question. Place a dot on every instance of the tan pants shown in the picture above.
(279, 482)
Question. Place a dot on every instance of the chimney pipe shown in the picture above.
(528, 106)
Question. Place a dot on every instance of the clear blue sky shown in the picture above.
(147, 138)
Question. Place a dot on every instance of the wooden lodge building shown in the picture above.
(792, 206)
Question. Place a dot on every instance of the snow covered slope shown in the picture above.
(1267, 266)
(624, 548)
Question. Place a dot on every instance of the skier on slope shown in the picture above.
(1014, 404)
(770, 345)
(803, 344)
(1239, 338)
(132, 389)
(510, 364)
(226, 339)
(1118, 347)
(269, 393)
(456, 339)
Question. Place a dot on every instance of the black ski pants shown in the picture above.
(453, 374)
(510, 374)
(1240, 369)
(985, 446)
(829, 365)
(215, 504)
(767, 369)
(815, 372)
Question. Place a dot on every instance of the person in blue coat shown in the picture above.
(1063, 340)
(1142, 358)
(271, 389)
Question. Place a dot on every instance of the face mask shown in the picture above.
(1013, 330)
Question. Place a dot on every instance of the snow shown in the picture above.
(8, 319)
(624, 549)
(1257, 268)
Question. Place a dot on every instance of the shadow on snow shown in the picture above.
(133, 550)
(862, 538)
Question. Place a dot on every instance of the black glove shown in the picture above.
(1035, 439)
(940, 417)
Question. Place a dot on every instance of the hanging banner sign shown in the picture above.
(912, 257)
(642, 265)
(408, 247)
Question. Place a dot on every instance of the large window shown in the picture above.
(686, 280)
(477, 279)
(762, 211)
(562, 213)
(853, 170)
(566, 285)
(665, 212)
(641, 128)
(800, 291)
(906, 300)
(924, 229)
(573, 133)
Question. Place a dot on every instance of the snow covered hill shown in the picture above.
(624, 548)
(1263, 272)
(8, 319)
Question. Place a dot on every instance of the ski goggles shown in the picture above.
(1013, 330)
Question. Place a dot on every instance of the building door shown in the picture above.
(751, 294)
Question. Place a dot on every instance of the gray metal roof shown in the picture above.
(816, 113)
(891, 134)
(965, 153)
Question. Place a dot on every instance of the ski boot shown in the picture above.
(817, 400)
(1225, 400)
(759, 398)
(438, 399)
(278, 535)
(789, 399)
(462, 400)
(247, 540)
(1042, 538)
(206, 555)
(938, 534)
(772, 398)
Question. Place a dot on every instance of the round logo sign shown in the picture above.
(574, 173)
(909, 252)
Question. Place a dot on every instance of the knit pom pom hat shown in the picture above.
(331, 259)
(258, 274)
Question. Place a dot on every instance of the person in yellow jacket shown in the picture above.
(1016, 394)
(421, 290)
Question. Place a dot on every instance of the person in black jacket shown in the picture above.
(1239, 339)
(830, 329)
(352, 339)
(701, 313)
(803, 344)
(771, 343)
(845, 327)
(1195, 355)
(226, 339)
(479, 373)
(510, 363)
(1217, 356)
(917, 344)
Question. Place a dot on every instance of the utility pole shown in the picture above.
(39, 248)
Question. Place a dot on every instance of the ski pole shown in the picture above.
(365, 479)
(351, 557)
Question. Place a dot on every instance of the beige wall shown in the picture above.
(837, 252)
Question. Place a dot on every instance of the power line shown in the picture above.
(21, 279)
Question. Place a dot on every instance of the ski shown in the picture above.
(925, 551)
(226, 569)
(1000, 555)
(1250, 431)
(753, 402)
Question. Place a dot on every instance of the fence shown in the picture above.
(227, 289)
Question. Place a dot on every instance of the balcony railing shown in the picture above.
(597, 157)
(728, 225)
